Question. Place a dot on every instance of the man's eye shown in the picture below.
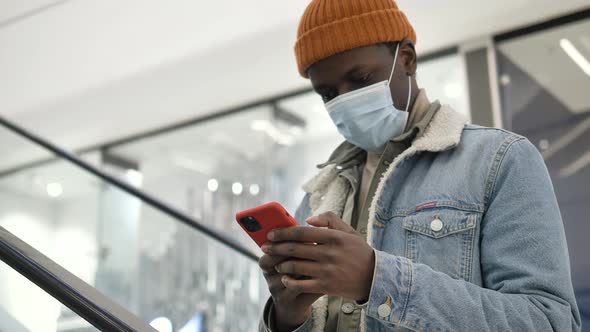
(363, 78)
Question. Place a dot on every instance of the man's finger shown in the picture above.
(331, 221)
(294, 249)
(275, 284)
(310, 286)
(302, 234)
(267, 263)
(298, 267)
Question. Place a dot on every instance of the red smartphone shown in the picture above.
(258, 221)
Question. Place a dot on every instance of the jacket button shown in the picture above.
(384, 310)
(436, 225)
(347, 308)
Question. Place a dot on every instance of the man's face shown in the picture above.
(364, 66)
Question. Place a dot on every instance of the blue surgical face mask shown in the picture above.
(367, 117)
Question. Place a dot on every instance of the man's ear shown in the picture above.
(408, 56)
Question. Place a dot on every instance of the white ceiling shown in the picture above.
(11, 10)
(86, 72)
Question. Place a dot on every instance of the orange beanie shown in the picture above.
(330, 27)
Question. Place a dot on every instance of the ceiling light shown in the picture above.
(505, 80)
(212, 185)
(254, 189)
(260, 125)
(576, 55)
(453, 90)
(237, 188)
(54, 189)
(162, 324)
(134, 177)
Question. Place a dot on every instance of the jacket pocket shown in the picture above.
(442, 238)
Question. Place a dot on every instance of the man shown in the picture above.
(420, 221)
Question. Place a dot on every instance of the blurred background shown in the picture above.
(200, 105)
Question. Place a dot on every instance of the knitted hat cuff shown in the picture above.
(380, 26)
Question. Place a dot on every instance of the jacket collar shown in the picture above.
(443, 132)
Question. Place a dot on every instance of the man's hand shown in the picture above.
(292, 308)
(338, 260)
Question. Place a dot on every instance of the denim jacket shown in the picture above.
(467, 236)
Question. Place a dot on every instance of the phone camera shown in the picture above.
(251, 224)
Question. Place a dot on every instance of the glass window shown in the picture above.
(151, 264)
(544, 80)
(445, 79)
(319, 138)
(215, 168)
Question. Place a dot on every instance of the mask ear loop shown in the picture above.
(409, 93)
(409, 78)
(394, 63)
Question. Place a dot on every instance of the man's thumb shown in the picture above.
(331, 221)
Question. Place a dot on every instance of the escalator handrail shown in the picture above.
(133, 191)
(65, 287)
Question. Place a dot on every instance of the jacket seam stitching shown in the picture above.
(386, 214)
(469, 257)
(407, 299)
(494, 170)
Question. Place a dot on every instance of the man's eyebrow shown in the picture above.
(355, 69)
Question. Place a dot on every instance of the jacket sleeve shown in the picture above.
(267, 320)
(524, 261)
(303, 211)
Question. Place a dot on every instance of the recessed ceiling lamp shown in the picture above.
(575, 55)
(54, 189)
